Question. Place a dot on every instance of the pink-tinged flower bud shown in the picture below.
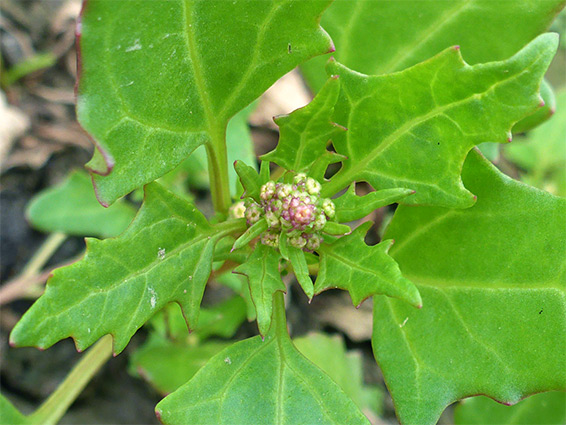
(270, 239)
(329, 208)
(253, 213)
(298, 241)
(319, 221)
(313, 187)
(267, 191)
(313, 242)
(302, 216)
(237, 210)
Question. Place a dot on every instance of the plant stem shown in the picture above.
(43, 254)
(218, 170)
(28, 281)
(57, 404)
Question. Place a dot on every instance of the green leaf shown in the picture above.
(362, 270)
(262, 271)
(539, 409)
(9, 415)
(305, 133)
(492, 278)
(250, 179)
(336, 229)
(165, 255)
(250, 234)
(150, 94)
(222, 319)
(72, 208)
(167, 365)
(350, 207)
(413, 129)
(344, 367)
(543, 114)
(193, 171)
(543, 153)
(259, 381)
(486, 30)
(301, 270)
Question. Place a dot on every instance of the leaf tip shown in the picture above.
(456, 47)
(332, 47)
(158, 414)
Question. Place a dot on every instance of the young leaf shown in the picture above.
(413, 129)
(301, 270)
(72, 208)
(362, 270)
(251, 233)
(486, 30)
(291, 390)
(262, 271)
(305, 133)
(250, 179)
(539, 409)
(344, 367)
(336, 229)
(350, 207)
(492, 279)
(167, 365)
(543, 153)
(165, 255)
(150, 94)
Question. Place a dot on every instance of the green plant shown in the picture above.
(470, 298)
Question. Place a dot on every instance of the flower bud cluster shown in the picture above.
(296, 210)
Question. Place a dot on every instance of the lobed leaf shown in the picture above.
(362, 270)
(151, 94)
(413, 129)
(350, 207)
(72, 208)
(305, 133)
(258, 381)
(539, 409)
(262, 271)
(165, 255)
(493, 283)
(486, 30)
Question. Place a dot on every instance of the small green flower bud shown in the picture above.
(237, 210)
(300, 178)
(319, 221)
(283, 190)
(267, 191)
(328, 208)
(298, 241)
(272, 220)
(253, 213)
(314, 241)
(313, 187)
(270, 239)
